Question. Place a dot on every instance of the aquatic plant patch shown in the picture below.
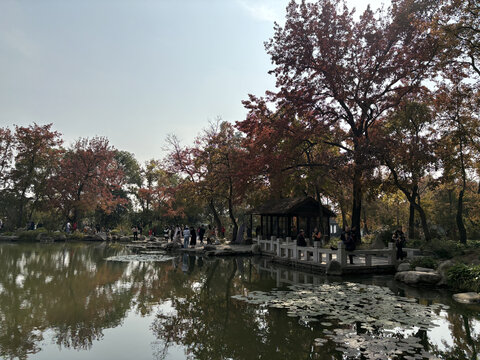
(140, 257)
(386, 321)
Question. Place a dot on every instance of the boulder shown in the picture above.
(102, 236)
(172, 246)
(467, 298)
(422, 269)
(418, 277)
(256, 249)
(403, 267)
(334, 268)
(125, 238)
(209, 248)
(443, 269)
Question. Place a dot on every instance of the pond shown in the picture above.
(99, 301)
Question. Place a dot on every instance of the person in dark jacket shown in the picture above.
(193, 237)
(301, 239)
(399, 238)
(348, 238)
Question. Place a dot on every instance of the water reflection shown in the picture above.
(68, 295)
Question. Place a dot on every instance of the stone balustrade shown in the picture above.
(288, 249)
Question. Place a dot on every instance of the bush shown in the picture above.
(425, 262)
(31, 235)
(384, 234)
(445, 249)
(464, 278)
(77, 235)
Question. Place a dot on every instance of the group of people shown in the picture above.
(349, 239)
(190, 234)
(317, 237)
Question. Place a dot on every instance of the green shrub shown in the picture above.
(425, 262)
(77, 235)
(445, 249)
(30, 235)
(464, 278)
(385, 234)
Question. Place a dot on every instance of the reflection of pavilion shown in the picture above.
(284, 276)
(283, 218)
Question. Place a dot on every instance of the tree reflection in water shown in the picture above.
(71, 292)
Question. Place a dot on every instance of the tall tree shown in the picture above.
(348, 73)
(36, 154)
(406, 146)
(459, 123)
(87, 178)
(6, 155)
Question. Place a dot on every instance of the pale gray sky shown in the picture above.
(134, 70)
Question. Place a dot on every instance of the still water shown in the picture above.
(65, 301)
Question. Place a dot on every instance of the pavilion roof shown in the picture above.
(292, 206)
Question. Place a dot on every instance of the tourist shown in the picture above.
(135, 233)
(210, 232)
(201, 233)
(301, 238)
(1, 224)
(223, 232)
(399, 238)
(68, 227)
(193, 237)
(186, 237)
(317, 237)
(176, 234)
(348, 238)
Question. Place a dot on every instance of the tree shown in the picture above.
(6, 155)
(457, 108)
(215, 168)
(407, 149)
(37, 149)
(461, 29)
(87, 178)
(347, 74)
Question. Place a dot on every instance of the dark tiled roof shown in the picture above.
(291, 206)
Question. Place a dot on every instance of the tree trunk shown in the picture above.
(357, 202)
(411, 222)
(365, 224)
(321, 228)
(216, 218)
(423, 219)
(233, 220)
(461, 226)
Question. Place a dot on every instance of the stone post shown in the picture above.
(295, 252)
(316, 252)
(342, 254)
(392, 258)
(368, 260)
(272, 241)
(279, 248)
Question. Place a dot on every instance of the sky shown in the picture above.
(134, 71)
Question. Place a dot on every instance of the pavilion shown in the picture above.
(285, 217)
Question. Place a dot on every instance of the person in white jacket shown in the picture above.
(186, 237)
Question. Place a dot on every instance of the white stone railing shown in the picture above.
(288, 249)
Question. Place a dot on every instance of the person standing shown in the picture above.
(193, 237)
(317, 237)
(201, 233)
(349, 241)
(176, 235)
(186, 237)
(399, 238)
(135, 233)
(301, 239)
